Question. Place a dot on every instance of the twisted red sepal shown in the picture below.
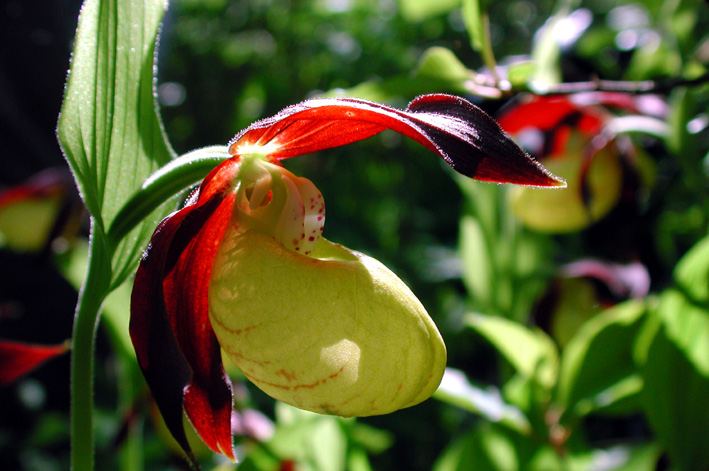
(173, 338)
(18, 359)
(469, 140)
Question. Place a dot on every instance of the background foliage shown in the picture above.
(549, 370)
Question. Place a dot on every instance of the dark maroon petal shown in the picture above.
(208, 397)
(174, 342)
(164, 366)
(475, 145)
(18, 359)
(458, 131)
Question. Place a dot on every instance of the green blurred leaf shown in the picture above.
(675, 363)
(547, 51)
(473, 17)
(530, 351)
(682, 21)
(503, 264)
(317, 442)
(438, 70)
(368, 438)
(486, 447)
(652, 60)
(487, 402)
(641, 458)
(478, 269)
(440, 63)
(685, 309)
(674, 397)
(357, 460)
(419, 10)
(328, 446)
(109, 126)
(620, 398)
(598, 357)
(520, 73)
(489, 447)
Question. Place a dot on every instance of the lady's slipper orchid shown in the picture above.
(243, 267)
(567, 135)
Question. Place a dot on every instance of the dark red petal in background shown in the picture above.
(18, 359)
(173, 344)
(458, 131)
(48, 183)
(548, 113)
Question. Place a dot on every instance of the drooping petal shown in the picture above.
(173, 339)
(164, 366)
(208, 397)
(462, 134)
(18, 359)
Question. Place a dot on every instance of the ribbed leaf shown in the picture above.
(109, 127)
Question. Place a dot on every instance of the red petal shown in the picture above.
(164, 366)
(49, 183)
(554, 117)
(170, 329)
(458, 131)
(208, 398)
(18, 359)
(548, 113)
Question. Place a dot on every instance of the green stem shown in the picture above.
(487, 53)
(91, 298)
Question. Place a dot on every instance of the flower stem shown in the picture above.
(91, 297)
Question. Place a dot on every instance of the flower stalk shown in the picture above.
(91, 297)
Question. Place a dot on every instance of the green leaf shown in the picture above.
(109, 127)
(473, 17)
(489, 447)
(547, 51)
(419, 10)
(599, 357)
(486, 447)
(440, 63)
(478, 264)
(503, 264)
(438, 70)
(674, 397)
(675, 363)
(487, 402)
(368, 438)
(530, 351)
(317, 441)
(685, 309)
(520, 73)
